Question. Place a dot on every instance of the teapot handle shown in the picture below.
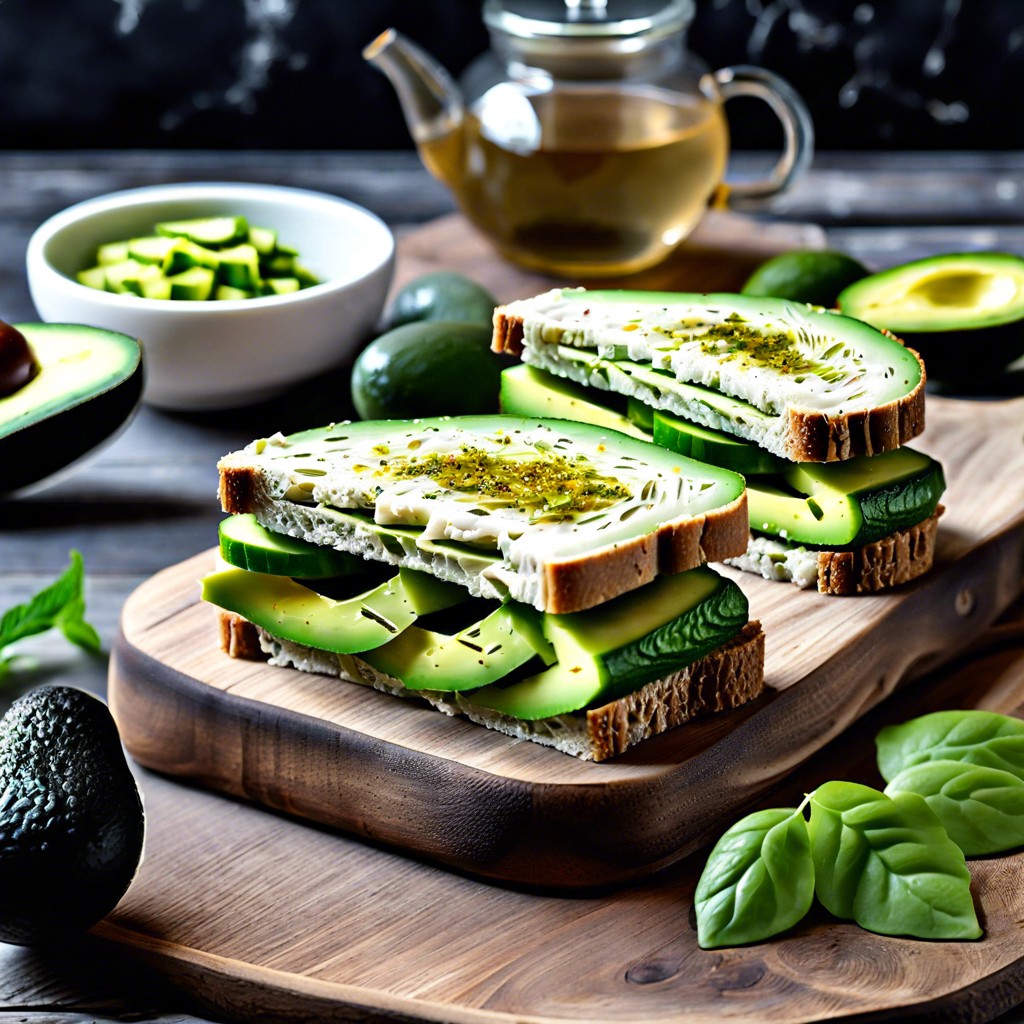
(797, 127)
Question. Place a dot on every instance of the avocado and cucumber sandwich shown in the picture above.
(810, 407)
(539, 577)
(219, 258)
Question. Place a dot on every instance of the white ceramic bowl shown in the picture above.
(211, 355)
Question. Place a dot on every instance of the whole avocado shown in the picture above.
(71, 821)
(431, 368)
(816, 276)
(442, 295)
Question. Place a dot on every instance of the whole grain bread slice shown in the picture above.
(812, 436)
(570, 584)
(728, 677)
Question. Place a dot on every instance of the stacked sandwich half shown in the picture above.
(813, 408)
(540, 577)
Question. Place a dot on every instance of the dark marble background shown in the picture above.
(908, 74)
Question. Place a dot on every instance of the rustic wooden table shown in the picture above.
(148, 500)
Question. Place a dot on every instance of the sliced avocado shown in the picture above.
(847, 504)
(88, 384)
(71, 818)
(609, 651)
(964, 312)
(526, 391)
(290, 610)
(481, 653)
(246, 544)
(216, 231)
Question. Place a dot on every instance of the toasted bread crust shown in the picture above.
(898, 558)
(811, 436)
(728, 677)
(591, 579)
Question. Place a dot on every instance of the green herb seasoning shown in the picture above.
(542, 482)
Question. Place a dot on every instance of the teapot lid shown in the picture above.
(607, 19)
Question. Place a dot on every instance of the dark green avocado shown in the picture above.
(442, 295)
(71, 821)
(86, 385)
(964, 312)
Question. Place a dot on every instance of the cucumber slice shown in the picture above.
(279, 265)
(707, 445)
(281, 285)
(94, 277)
(246, 544)
(111, 253)
(195, 284)
(263, 240)
(219, 231)
(183, 255)
(153, 249)
(226, 293)
(240, 267)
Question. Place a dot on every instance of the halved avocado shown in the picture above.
(964, 312)
(88, 384)
(609, 651)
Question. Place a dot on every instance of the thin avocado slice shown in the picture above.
(616, 648)
(847, 504)
(526, 391)
(480, 654)
(292, 611)
(88, 385)
(246, 544)
(964, 312)
(215, 231)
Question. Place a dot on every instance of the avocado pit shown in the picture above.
(17, 363)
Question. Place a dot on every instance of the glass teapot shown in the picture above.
(588, 141)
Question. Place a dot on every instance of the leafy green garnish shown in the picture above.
(61, 606)
(759, 879)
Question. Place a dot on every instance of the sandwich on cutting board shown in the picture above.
(812, 407)
(542, 578)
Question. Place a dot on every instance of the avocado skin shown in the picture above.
(71, 821)
(442, 295)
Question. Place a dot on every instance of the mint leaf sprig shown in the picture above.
(61, 606)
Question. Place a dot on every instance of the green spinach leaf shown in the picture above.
(981, 808)
(758, 880)
(61, 605)
(975, 737)
(887, 863)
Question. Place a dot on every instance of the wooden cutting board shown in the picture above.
(261, 915)
(264, 918)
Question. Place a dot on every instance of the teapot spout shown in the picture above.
(430, 99)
